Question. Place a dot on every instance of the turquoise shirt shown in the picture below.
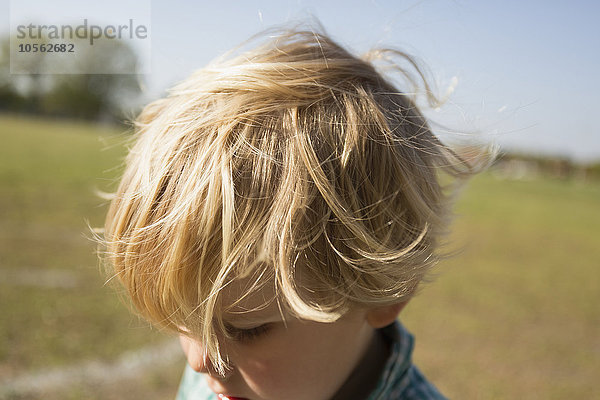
(400, 380)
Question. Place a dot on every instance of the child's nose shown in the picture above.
(195, 354)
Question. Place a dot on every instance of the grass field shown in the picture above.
(514, 315)
(56, 310)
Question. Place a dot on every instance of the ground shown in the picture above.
(512, 315)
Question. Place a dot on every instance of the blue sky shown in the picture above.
(527, 70)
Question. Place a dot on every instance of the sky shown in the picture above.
(526, 72)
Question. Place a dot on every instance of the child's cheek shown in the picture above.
(268, 376)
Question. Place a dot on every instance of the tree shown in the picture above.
(90, 95)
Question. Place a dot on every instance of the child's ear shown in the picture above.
(383, 316)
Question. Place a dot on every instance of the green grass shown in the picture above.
(514, 315)
(49, 174)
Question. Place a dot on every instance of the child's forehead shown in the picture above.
(245, 300)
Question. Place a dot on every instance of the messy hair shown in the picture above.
(295, 164)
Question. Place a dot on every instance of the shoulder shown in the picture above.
(417, 387)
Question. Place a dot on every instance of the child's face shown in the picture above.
(296, 361)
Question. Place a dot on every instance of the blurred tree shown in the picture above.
(21, 92)
(10, 98)
(96, 94)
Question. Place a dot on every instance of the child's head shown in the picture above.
(292, 185)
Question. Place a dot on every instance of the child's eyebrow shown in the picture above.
(249, 319)
(241, 320)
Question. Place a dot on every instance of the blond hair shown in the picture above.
(295, 164)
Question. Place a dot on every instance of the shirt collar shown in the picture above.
(400, 360)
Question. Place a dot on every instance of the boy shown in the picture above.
(278, 210)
